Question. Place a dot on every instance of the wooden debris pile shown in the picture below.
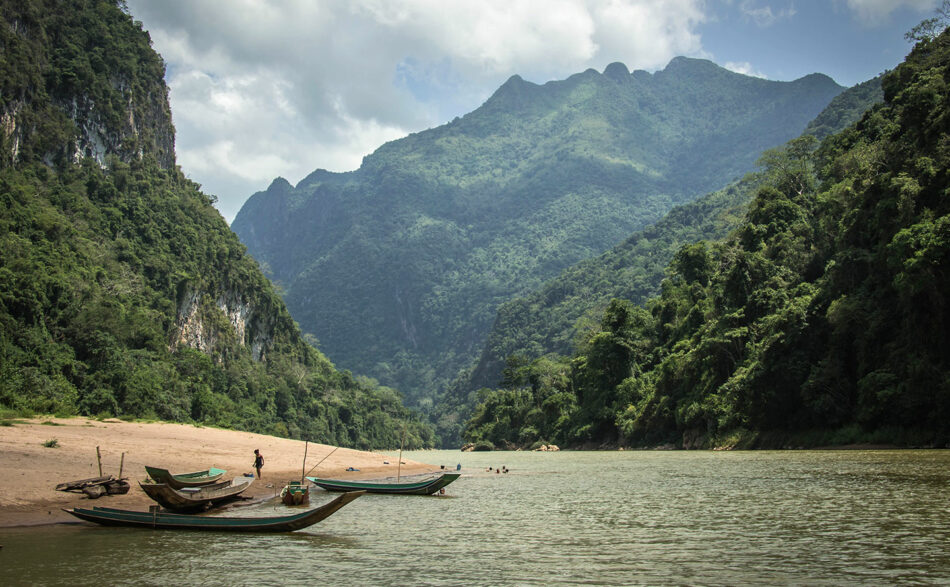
(96, 487)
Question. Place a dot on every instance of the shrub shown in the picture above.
(484, 446)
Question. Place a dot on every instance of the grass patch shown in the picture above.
(51, 443)
(10, 413)
(12, 422)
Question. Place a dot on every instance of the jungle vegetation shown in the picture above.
(108, 253)
(821, 319)
(399, 267)
(552, 318)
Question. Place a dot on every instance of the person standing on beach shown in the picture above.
(258, 461)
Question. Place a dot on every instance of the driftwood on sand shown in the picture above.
(96, 487)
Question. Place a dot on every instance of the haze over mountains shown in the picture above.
(398, 267)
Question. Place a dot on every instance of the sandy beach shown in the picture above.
(32, 470)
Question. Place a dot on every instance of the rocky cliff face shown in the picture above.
(11, 132)
(144, 128)
(205, 321)
(62, 99)
(68, 101)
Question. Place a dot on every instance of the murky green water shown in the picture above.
(655, 518)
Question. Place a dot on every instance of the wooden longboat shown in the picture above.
(424, 487)
(196, 499)
(182, 480)
(166, 521)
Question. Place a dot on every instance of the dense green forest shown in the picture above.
(821, 319)
(846, 108)
(122, 290)
(551, 319)
(398, 268)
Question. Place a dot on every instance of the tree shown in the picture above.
(930, 28)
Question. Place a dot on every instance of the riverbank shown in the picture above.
(31, 469)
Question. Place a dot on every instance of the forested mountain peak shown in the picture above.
(398, 266)
(512, 84)
(617, 71)
(691, 66)
(279, 185)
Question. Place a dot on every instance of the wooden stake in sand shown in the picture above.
(99, 458)
(401, 443)
(121, 464)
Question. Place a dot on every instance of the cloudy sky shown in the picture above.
(267, 88)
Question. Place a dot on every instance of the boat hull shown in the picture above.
(182, 480)
(166, 521)
(426, 487)
(196, 499)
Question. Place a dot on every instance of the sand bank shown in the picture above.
(31, 471)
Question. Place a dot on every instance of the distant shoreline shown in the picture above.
(672, 447)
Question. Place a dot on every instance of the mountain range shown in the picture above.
(476, 265)
(550, 319)
(398, 267)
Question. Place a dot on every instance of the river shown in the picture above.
(589, 518)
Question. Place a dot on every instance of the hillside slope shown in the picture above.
(550, 319)
(822, 319)
(398, 267)
(122, 290)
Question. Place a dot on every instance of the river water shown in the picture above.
(590, 518)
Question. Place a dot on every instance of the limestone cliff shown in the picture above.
(205, 321)
(69, 99)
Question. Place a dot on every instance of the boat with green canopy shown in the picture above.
(165, 521)
(182, 480)
(295, 493)
(423, 487)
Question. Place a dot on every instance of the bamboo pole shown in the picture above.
(99, 458)
(121, 465)
(303, 467)
(323, 459)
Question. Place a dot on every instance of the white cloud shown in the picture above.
(647, 35)
(745, 68)
(876, 12)
(265, 88)
(765, 16)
